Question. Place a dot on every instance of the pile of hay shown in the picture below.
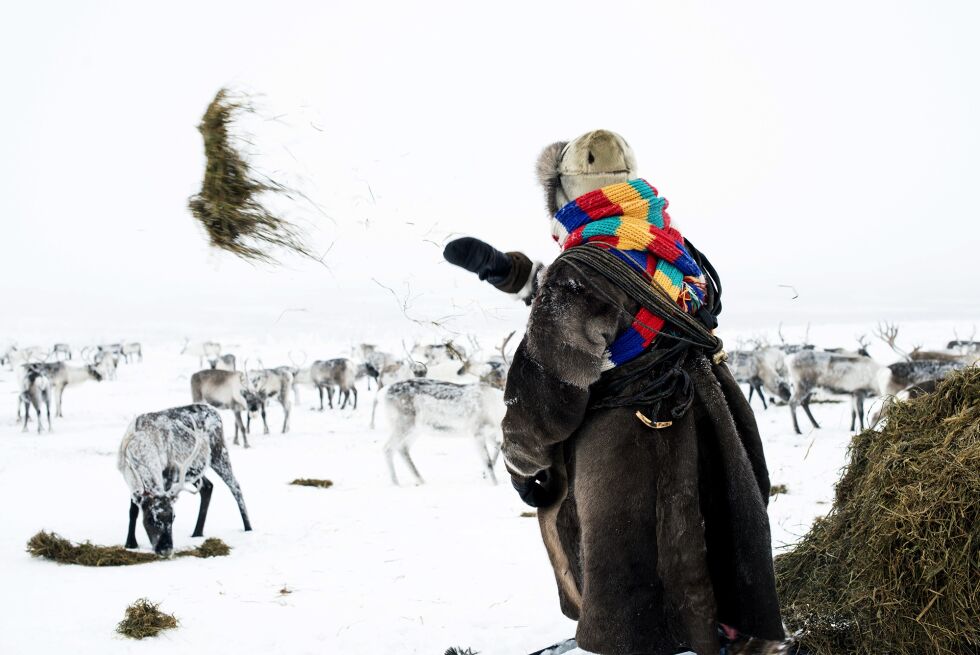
(228, 205)
(895, 566)
(54, 547)
(144, 619)
(312, 482)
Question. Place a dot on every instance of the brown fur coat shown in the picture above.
(657, 535)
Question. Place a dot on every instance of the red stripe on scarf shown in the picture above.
(648, 325)
(597, 205)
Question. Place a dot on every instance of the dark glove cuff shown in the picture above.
(520, 271)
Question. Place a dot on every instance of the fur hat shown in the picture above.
(596, 159)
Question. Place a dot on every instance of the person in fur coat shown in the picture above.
(657, 531)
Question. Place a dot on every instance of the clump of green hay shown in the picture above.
(894, 566)
(210, 547)
(144, 619)
(228, 205)
(776, 490)
(312, 482)
(54, 547)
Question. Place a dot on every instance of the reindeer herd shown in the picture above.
(163, 453)
(791, 373)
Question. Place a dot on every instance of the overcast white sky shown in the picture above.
(832, 147)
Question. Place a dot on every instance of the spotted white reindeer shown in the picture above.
(471, 411)
(161, 454)
(854, 374)
(224, 390)
(267, 384)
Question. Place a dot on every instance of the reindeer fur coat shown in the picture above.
(656, 535)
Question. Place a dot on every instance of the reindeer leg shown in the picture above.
(751, 391)
(330, 396)
(320, 389)
(37, 410)
(389, 450)
(792, 411)
(265, 425)
(806, 408)
(47, 408)
(240, 425)
(762, 396)
(222, 466)
(411, 465)
(354, 389)
(480, 442)
(134, 511)
(859, 400)
(202, 513)
(285, 421)
(58, 392)
(27, 411)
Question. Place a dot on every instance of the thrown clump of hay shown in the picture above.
(312, 482)
(144, 619)
(54, 547)
(228, 205)
(895, 565)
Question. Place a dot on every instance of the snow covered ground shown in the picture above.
(361, 567)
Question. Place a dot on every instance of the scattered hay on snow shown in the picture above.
(460, 651)
(894, 565)
(528, 515)
(776, 490)
(312, 482)
(144, 619)
(54, 547)
(228, 205)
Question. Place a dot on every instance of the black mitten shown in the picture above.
(478, 257)
(540, 490)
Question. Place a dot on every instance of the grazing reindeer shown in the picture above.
(471, 410)
(271, 383)
(161, 454)
(898, 376)
(224, 362)
(202, 350)
(843, 373)
(35, 389)
(224, 390)
(61, 375)
(132, 349)
(340, 373)
(61, 350)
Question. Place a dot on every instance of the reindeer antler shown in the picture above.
(503, 347)
(888, 332)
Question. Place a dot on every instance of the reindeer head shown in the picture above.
(158, 520)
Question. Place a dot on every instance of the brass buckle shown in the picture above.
(656, 425)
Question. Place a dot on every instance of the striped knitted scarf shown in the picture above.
(632, 221)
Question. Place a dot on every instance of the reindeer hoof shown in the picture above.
(131, 545)
(198, 533)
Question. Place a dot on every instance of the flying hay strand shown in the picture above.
(54, 547)
(228, 205)
(144, 619)
(894, 566)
